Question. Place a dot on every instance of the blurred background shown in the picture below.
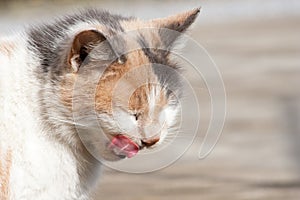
(256, 45)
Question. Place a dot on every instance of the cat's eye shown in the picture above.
(136, 116)
(121, 60)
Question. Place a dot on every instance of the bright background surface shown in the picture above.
(256, 45)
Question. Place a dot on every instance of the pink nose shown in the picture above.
(150, 142)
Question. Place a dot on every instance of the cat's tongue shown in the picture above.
(123, 146)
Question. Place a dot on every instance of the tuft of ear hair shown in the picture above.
(82, 45)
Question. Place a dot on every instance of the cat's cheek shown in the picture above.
(163, 135)
(125, 122)
(171, 115)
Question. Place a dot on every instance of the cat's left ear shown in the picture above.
(82, 45)
(177, 23)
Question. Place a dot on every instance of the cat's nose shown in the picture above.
(150, 142)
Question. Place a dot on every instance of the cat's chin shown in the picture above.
(113, 157)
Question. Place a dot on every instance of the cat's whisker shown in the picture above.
(67, 121)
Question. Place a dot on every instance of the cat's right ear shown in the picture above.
(178, 23)
(82, 45)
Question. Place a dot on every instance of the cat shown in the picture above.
(45, 78)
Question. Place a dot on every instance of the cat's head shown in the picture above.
(136, 98)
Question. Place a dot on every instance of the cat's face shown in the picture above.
(132, 102)
(134, 99)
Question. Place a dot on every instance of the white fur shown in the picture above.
(41, 168)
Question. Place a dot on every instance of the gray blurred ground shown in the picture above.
(258, 155)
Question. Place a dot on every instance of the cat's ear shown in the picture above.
(82, 45)
(177, 23)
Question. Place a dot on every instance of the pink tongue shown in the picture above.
(124, 146)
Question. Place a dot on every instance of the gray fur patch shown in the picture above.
(165, 70)
(42, 38)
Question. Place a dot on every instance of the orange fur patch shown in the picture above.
(106, 84)
(113, 73)
(139, 99)
(5, 166)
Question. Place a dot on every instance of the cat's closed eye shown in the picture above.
(136, 116)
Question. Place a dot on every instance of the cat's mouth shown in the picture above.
(123, 146)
